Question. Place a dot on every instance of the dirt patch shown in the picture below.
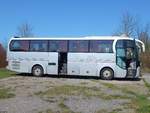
(66, 95)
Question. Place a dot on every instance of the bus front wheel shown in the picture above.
(37, 71)
(106, 74)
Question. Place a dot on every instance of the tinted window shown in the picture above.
(19, 45)
(78, 46)
(39, 45)
(101, 46)
(129, 48)
(58, 46)
(121, 58)
(125, 43)
(125, 52)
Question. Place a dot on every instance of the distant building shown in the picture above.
(3, 62)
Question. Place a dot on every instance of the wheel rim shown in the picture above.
(106, 74)
(37, 72)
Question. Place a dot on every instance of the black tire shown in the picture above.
(107, 74)
(37, 71)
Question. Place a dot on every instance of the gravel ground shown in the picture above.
(26, 100)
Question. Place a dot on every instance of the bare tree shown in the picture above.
(128, 25)
(25, 30)
(144, 35)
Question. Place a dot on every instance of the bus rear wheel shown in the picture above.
(106, 74)
(37, 71)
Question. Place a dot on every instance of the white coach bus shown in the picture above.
(105, 56)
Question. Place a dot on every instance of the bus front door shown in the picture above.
(126, 59)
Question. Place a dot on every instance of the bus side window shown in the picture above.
(101, 46)
(19, 45)
(53, 46)
(78, 46)
(38, 45)
(57, 46)
(72, 46)
(15, 45)
(62, 46)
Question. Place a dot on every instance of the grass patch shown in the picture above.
(95, 80)
(118, 97)
(116, 110)
(64, 108)
(102, 111)
(109, 85)
(5, 93)
(6, 73)
(146, 84)
(139, 102)
(143, 104)
(84, 83)
(47, 111)
(113, 111)
(69, 90)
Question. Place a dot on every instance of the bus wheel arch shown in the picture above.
(107, 73)
(37, 70)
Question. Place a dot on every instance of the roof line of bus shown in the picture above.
(72, 38)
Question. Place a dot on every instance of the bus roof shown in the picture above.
(73, 38)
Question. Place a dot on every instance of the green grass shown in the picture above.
(47, 111)
(102, 111)
(4, 73)
(64, 108)
(84, 83)
(6, 93)
(147, 84)
(139, 102)
(109, 85)
(69, 90)
(143, 104)
(113, 111)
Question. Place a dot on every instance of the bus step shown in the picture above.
(62, 73)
